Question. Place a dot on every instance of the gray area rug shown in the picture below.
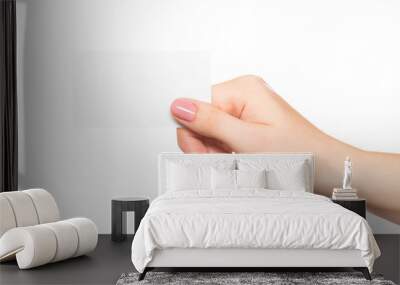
(225, 278)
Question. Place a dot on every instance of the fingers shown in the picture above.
(245, 97)
(190, 142)
(208, 121)
(227, 98)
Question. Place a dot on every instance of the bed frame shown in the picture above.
(234, 259)
(248, 259)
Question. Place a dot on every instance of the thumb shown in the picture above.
(209, 121)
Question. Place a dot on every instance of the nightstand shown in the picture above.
(119, 207)
(357, 206)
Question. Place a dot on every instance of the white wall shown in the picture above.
(336, 61)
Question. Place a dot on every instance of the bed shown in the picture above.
(245, 211)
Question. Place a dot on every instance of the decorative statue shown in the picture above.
(347, 173)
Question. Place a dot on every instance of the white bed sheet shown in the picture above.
(250, 218)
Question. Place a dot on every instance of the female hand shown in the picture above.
(246, 115)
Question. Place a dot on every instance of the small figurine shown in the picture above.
(347, 174)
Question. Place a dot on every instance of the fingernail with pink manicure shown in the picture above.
(184, 109)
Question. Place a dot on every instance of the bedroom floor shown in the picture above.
(110, 260)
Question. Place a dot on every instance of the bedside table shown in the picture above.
(119, 207)
(357, 206)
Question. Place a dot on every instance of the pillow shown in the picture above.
(282, 174)
(292, 178)
(223, 179)
(188, 177)
(251, 178)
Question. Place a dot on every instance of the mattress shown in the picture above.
(251, 219)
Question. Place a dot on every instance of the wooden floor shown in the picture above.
(110, 260)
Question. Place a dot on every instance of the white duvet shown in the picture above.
(250, 218)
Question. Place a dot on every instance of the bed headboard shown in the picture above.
(164, 158)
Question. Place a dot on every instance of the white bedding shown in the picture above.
(251, 218)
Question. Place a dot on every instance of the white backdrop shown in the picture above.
(337, 62)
